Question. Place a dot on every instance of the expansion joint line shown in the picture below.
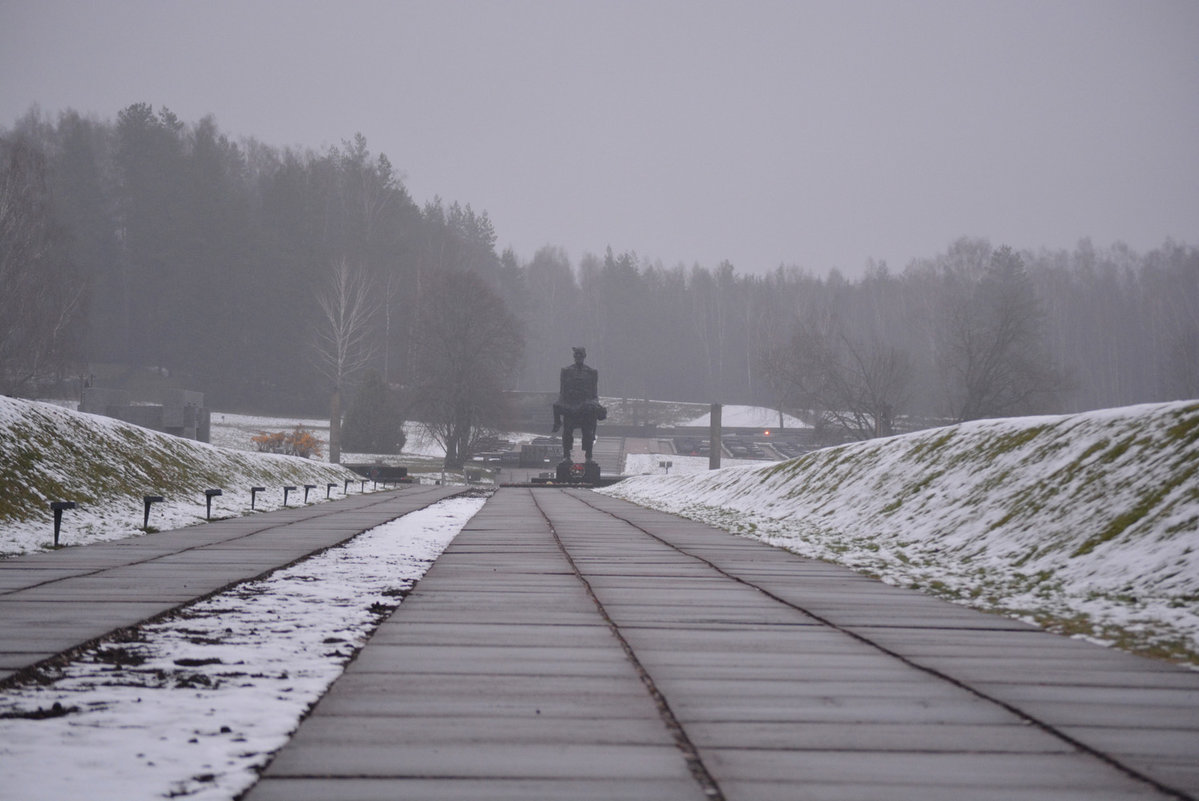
(695, 764)
(1015, 710)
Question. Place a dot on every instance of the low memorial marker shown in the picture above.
(209, 494)
(148, 501)
(58, 507)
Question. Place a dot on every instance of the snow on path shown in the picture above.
(196, 705)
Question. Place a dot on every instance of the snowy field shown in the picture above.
(734, 416)
(229, 430)
(195, 704)
(649, 464)
(1087, 524)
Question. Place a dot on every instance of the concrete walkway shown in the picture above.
(60, 600)
(571, 646)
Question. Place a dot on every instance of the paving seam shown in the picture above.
(1046, 727)
(66, 655)
(690, 753)
(188, 549)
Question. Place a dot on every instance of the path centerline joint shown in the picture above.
(695, 763)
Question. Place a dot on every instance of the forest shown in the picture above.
(269, 277)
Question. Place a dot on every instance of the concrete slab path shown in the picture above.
(58, 601)
(568, 645)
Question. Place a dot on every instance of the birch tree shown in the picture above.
(343, 341)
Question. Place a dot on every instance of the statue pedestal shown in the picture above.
(571, 473)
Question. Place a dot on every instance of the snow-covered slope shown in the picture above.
(48, 453)
(1088, 523)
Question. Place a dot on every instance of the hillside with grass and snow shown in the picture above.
(48, 453)
(1087, 523)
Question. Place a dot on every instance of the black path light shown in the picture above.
(148, 501)
(286, 490)
(307, 489)
(364, 485)
(209, 494)
(328, 489)
(346, 489)
(58, 507)
(254, 495)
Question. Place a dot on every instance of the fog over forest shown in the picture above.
(265, 277)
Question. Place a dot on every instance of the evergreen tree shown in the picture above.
(374, 422)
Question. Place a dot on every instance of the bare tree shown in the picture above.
(468, 347)
(858, 386)
(774, 365)
(41, 295)
(343, 343)
(992, 346)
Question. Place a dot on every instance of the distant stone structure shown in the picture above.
(181, 413)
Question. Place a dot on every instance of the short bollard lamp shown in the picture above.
(254, 495)
(209, 494)
(286, 490)
(307, 489)
(58, 507)
(328, 489)
(148, 501)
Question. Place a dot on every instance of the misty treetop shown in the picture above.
(149, 241)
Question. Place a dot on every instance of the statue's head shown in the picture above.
(580, 354)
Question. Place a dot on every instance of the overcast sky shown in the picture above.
(819, 134)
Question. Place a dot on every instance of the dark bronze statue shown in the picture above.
(578, 405)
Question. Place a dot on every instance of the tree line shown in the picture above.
(150, 242)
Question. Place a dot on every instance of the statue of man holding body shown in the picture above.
(578, 405)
